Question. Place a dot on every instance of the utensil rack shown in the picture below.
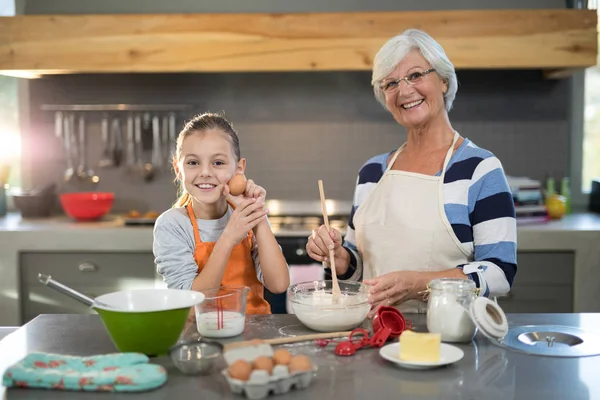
(140, 137)
(117, 107)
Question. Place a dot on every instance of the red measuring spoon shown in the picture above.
(349, 347)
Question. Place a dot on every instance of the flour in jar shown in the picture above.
(450, 319)
(222, 324)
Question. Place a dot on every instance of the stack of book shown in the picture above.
(529, 200)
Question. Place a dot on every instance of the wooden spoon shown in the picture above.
(335, 287)
(285, 340)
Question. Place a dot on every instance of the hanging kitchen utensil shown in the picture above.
(157, 159)
(58, 124)
(165, 145)
(172, 135)
(144, 169)
(106, 160)
(117, 143)
(130, 158)
(67, 137)
(83, 171)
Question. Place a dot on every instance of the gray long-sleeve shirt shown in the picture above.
(174, 245)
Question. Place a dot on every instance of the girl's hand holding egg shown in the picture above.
(239, 188)
(237, 185)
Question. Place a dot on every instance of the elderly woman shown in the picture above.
(437, 207)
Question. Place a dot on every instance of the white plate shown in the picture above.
(448, 355)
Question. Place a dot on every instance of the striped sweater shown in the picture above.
(479, 206)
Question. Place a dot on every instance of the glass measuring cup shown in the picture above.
(223, 312)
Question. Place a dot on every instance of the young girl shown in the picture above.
(211, 238)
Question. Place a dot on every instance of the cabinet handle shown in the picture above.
(300, 252)
(87, 267)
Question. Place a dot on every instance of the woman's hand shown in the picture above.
(320, 242)
(248, 214)
(394, 288)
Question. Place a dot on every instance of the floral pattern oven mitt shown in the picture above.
(118, 372)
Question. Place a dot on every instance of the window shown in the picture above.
(10, 140)
(591, 127)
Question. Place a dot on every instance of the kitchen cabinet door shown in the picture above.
(543, 284)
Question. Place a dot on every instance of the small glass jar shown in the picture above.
(448, 309)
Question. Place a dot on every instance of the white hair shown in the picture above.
(394, 51)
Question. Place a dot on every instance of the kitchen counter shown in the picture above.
(486, 371)
(579, 233)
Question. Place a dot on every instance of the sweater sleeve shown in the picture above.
(174, 252)
(492, 218)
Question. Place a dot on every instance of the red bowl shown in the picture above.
(87, 206)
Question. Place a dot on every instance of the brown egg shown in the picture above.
(133, 214)
(300, 363)
(237, 185)
(282, 357)
(151, 214)
(240, 369)
(263, 363)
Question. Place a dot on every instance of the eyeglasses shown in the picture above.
(391, 85)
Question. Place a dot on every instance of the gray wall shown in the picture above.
(296, 128)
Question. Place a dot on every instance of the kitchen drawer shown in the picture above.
(541, 268)
(101, 269)
(93, 274)
(538, 299)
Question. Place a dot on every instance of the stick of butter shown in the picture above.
(421, 347)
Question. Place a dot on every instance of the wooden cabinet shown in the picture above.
(473, 39)
(543, 284)
(92, 273)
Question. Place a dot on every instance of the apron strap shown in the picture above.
(446, 160)
(192, 216)
(389, 167)
(449, 155)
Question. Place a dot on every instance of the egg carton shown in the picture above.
(261, 384)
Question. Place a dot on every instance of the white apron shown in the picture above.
(402, 226)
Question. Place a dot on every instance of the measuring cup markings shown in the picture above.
(223, 313)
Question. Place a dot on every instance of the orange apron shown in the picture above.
(239, 270)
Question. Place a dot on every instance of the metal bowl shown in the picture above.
(195, 357)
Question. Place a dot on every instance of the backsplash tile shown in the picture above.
(296, 128)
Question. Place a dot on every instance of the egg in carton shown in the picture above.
(260, 383)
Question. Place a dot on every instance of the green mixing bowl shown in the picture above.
(146, 321)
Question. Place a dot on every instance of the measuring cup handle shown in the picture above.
(380, 337)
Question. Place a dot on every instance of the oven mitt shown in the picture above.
(118, 372)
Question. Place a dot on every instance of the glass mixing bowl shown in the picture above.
(312, 303)
(196, 356)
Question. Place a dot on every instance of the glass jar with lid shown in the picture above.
(448, 309)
